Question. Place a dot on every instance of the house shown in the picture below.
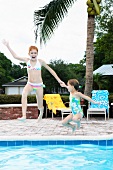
(105, 70)
(16, 86)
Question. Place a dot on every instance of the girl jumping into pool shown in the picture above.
(34, 78)
(77, 113)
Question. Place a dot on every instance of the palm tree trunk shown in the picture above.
(89, 55)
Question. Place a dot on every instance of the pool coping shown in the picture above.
(55, 137)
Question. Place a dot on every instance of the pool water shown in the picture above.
(56, 157)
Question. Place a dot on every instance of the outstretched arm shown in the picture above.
(51, 71)
(6, 43)
(87, 98)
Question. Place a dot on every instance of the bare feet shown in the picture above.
(39, 117)
(73, 128)
(22, 118)
(78, 125)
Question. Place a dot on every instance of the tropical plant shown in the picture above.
(5, 68)
(64, 71)
(48, 18)
(101, 81)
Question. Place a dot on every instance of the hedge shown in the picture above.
(16, 99)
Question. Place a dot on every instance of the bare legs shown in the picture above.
(76, 118)
(39, 96)
(40, 115)
(67, 120)
(27, 89)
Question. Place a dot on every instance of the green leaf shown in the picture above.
(47, 19)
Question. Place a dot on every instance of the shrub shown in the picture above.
(15, 99)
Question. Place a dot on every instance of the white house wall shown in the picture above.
(13, 90)
(21, 89)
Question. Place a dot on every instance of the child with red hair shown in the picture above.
(34, 78)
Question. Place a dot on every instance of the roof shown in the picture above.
(21, 79)
(12, 84)
(105, 70)
(18, 82)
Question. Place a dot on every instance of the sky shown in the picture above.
(16, 25)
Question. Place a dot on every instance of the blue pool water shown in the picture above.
(56, 157)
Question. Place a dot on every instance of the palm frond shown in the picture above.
(47, 19)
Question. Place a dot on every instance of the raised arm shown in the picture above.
(43, 63)
(87, 98)
(6, 43)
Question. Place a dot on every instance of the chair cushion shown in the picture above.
(102, 97)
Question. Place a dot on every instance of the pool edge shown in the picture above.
(55, 137)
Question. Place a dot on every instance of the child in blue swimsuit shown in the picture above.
(75, 106)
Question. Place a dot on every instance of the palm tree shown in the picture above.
(89, 55)
(47, 20)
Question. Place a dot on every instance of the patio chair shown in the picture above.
(54, 103)
(103, 108)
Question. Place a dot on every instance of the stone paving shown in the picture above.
(50, 127)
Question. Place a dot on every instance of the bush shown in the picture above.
(15, 99)
(65, 98)
(111, 98)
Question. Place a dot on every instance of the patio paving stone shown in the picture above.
(51, 127)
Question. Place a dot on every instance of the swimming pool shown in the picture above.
(47, 153)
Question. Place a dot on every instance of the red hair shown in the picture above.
(33, 48)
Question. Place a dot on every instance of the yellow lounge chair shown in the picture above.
(54, 103)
